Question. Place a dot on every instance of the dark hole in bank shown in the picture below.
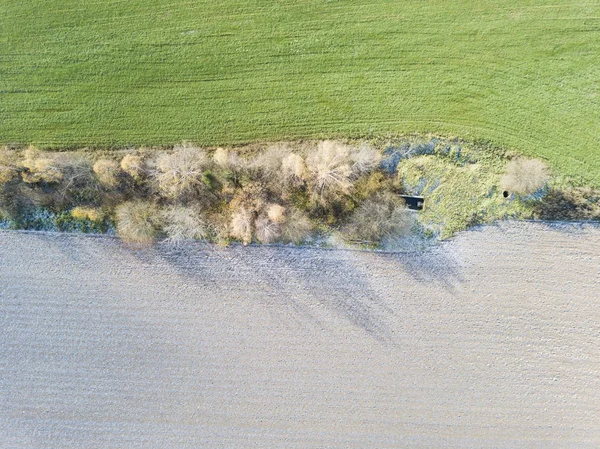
(414, 202)
(505, 194)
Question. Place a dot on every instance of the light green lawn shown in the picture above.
(523, 74)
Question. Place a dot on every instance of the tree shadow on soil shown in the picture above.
(310, 280)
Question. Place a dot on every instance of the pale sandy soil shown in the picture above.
(491, 340)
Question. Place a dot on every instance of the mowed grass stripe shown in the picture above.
(116, 73)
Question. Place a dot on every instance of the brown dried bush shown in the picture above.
(107, 171)
(268, 162)
(525, 176)
(364, 159)
(276, 213)
(247, 203)
(297, 227)
(329, 168)
(383, 216)
(137, 222)
(241, 225)
(267, 231)
(134, 165)
(293, 168)
(184, 223)
(9, 168)
(179, 174)
(40, 167)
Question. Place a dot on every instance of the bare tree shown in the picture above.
(179, 174)
(329, 167)
(525, 176)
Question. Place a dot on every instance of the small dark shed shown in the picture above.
(414, 202)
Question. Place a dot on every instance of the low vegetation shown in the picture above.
(298, 192)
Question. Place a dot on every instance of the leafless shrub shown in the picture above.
(276, 213)
(297, 227)
(267, 231)
(364, 160)
(179, 174)
(221, 157)
(227, 159)
(293, 168)
(329, 166)
(184, 223)
(9, 169)
(525, 176)
(134, 165)
(241, 225)
(247, 203)
(383, 216)
(137, 222)
(107, 171)
(268, 162)
(40, 167)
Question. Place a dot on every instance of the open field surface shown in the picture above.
(489, 340)
(524, 75)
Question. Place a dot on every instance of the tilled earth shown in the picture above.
(489, 340)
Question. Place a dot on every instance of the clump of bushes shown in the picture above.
(525, 176)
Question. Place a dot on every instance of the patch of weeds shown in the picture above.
(458, 194)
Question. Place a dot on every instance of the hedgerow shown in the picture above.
(289, 192)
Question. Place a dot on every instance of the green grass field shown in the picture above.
(522, 74)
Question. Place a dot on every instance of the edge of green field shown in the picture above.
(116, 74)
